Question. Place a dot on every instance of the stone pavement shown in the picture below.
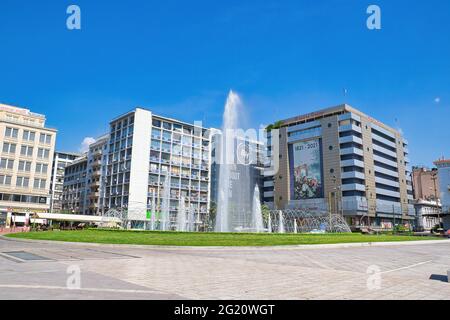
(414, 271)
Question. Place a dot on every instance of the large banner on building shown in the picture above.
(306, 170)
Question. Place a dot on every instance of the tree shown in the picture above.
(212, 216)
(265, 211)
(276, 125)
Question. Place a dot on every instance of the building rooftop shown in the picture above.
(21, 111)
(23, 117)
(156, 116)
(443, 163)
(77, 154)
(336, 110)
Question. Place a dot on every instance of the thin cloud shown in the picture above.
(84, 147)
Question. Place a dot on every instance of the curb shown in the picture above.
(273, 248)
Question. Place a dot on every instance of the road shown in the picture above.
(34, 270)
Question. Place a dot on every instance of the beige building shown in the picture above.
(27, 149)
(342, 160)
(425, 183)
(426, 197)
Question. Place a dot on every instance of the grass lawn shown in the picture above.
(206, 239)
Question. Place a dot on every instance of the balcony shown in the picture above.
(350, 139)
(352, 151)
(385, 161)
(96, 173)
(388, 193)
(268, 183)
(95, 184)
(384, 150)
(383, 140)
(352, 174)
(386, 171)
(97, 162)
(268, 194)
(387, 182)
(352, 162)
(350, 127)
(94, 195)
(353, 187)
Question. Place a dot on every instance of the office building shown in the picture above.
(96, 173)
(144, 150)
(75, 184)
(25, 166)
(426, 197)
(84, 180)
(443, 167)
(60, 161)
(343, 161)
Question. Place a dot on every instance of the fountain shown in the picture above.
(165, 212)
(153, 217)
(238, 205)
(269, 223)
(257, 219)
(181, 216)
(280, 222)
(191, 219)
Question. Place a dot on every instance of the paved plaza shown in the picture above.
(40, 270)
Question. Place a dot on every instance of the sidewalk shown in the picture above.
(14, 230)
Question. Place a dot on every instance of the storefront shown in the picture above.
(3, 216)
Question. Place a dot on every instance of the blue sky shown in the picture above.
(180, 58)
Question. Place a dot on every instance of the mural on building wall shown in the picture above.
(306, 170)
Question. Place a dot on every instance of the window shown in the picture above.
(23, 182)
(5, 180)
(9, 147)
(6, 163)
(41, 168)
(45, 138)
(28, 135)
(167, 126)
(25, 166)
(39, 183)
(43, 153)
(26, 151)
(11, 132)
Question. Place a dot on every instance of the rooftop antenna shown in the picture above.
(345, 92)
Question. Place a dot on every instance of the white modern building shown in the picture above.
(96, 175)
(144, 151)
(60, 161)
(85, 180)
(444, 187)
(75, 184)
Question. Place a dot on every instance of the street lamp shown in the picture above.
(434, 178)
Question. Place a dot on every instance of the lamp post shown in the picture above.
(434, 178)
